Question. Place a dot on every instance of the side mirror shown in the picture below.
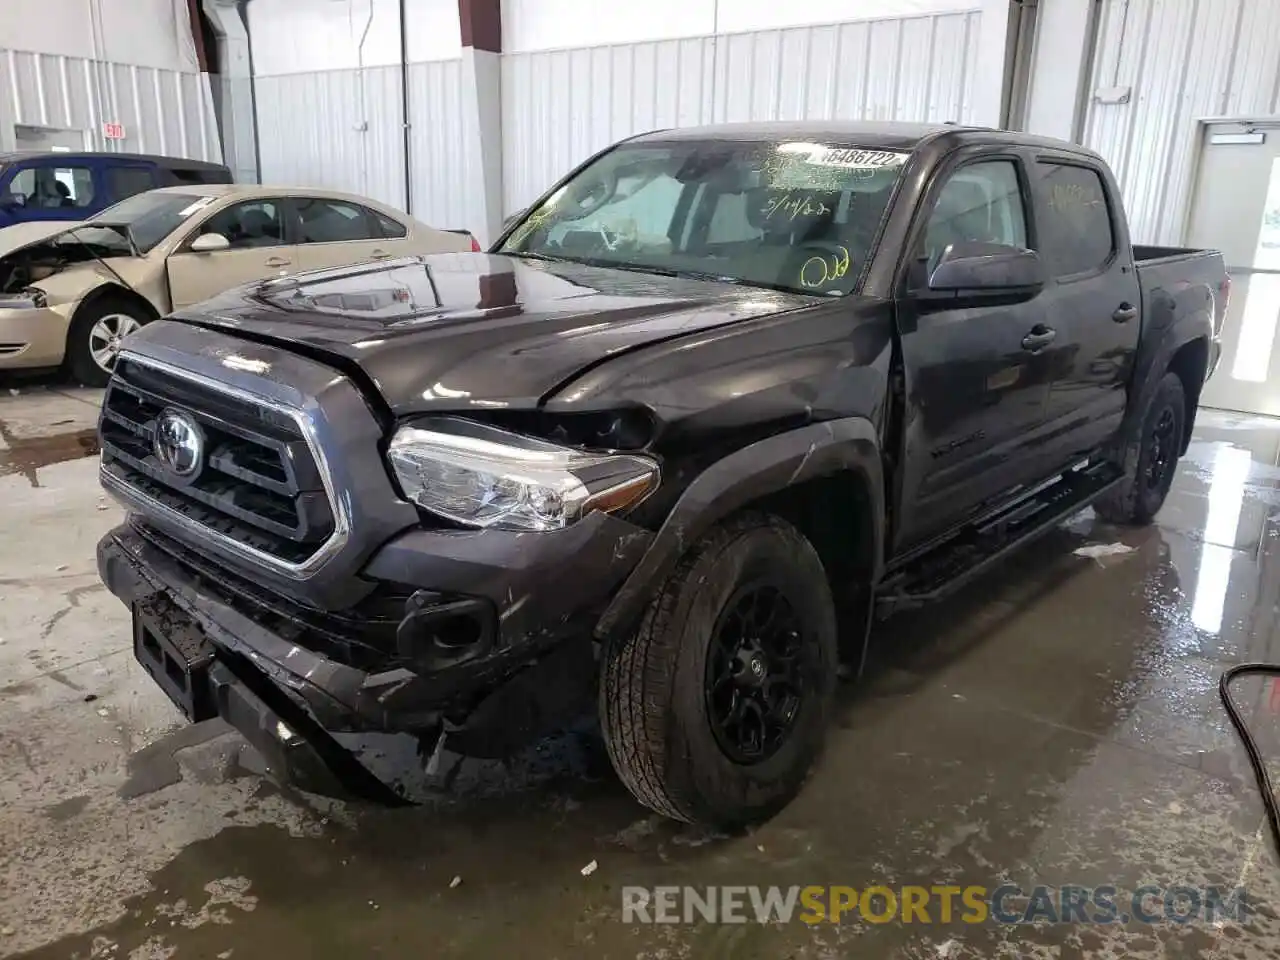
(210, 243)
(986, 273)
(506, 224)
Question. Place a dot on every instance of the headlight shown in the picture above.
(482, 476)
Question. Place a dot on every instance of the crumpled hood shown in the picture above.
(21, 235)
(478, 330)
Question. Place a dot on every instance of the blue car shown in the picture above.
(75, 186)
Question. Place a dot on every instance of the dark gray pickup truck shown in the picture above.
(713, 403)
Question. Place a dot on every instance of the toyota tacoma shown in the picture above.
(708, 408)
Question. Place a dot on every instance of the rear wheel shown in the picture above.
(96, 336)
(715, 708)
(1151, 459)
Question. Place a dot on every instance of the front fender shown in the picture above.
(849, 445)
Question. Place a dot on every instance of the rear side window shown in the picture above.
(125, 182)
(332, 221)
(391, 229)
(1076, 233)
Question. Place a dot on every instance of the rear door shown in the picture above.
(260, 249)
(976, 395)
(1092, 301)
(334, 233)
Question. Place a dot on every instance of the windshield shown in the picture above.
(144, 218)
(790, 216)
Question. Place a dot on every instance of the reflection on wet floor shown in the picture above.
(1058, 723)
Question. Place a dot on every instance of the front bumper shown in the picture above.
(287, 695)
(31, 337)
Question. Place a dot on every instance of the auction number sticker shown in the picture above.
(855, 158)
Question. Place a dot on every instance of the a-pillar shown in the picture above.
(481, 24)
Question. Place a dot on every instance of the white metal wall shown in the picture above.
(560, 106)
(163, 111)
(1185, 60)
(329, 104)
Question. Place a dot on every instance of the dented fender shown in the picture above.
(769, 466)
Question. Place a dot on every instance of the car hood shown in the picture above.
(21, 235)
(478, 330)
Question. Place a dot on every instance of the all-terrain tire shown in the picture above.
(655, 709)
(1150, 459)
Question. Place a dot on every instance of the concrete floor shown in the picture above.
(1057, 724)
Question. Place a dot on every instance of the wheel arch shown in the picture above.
(114, 291)
(826, 479)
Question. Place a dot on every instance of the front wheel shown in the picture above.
(96, 336)
(715, 708)
(1151, 459)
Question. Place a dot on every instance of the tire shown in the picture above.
(86, 340)
(662, 687)
(1151, 459)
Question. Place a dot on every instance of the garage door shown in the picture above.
(1236, 209)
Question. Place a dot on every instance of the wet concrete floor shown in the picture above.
(1058, 724)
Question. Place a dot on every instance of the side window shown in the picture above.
(980, 203)
(256, 223)
(1077, 230)
(124, 182)
(391, 229)
(729, 221)
(47, 188)
(332, 221)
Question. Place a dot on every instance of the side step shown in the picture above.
(975, 550)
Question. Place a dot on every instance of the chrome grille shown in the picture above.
(258, 483)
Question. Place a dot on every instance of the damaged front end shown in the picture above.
(288, 585)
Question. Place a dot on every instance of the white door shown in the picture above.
(1236, 209)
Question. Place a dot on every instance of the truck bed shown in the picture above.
(1144, 255)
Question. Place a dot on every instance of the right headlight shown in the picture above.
(483, 476)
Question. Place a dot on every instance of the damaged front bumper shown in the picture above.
(496, 667)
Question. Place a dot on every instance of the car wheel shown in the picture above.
(1151, 459)
(715, 708)
(96, 335)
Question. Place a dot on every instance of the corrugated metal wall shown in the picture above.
(1186, 60)
(559, 106)
(163, 111)
(341, 130)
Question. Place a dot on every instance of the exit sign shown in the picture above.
(113, 131)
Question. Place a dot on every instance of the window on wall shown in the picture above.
(981, 203)
(1077, 231)
(48, 188)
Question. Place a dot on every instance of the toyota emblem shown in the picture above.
(179, 444)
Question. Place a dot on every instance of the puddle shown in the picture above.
(26, 455)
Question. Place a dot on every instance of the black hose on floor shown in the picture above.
(1250, 746)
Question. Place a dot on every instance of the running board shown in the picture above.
(975, 550)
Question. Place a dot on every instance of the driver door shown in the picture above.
(977, 388)
(258, 234)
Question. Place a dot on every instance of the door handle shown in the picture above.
(1039, 338)
(1124, 313)
(379, 255)
(278, 261)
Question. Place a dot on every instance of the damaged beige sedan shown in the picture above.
(70, 294)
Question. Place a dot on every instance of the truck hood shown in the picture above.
(476, 330)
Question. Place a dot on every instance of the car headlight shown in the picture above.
(483, 476)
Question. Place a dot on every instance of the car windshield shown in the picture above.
(144, 218)
(796, 216)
